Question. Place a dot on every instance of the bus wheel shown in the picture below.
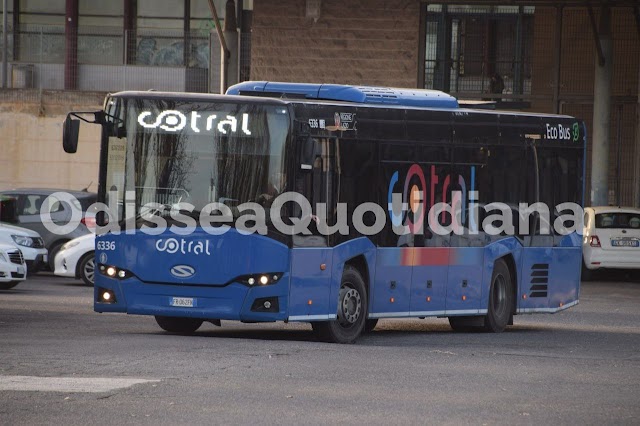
(352, 310)
(500, 299)
(178, 325)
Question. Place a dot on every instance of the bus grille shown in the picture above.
(539, 280)
(16, 257)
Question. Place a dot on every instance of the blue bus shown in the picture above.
(198, 230)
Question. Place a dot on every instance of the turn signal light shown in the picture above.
(594, 241)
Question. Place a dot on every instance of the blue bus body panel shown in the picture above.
(217, 259)
(465, 263)
(392, 283)
(214, 286)
(355, 94)
(310, 284)
(551, 276)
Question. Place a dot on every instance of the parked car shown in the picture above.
(29, 242)
(76, 259)
(13, 269)
(29, 203)
(611, 239)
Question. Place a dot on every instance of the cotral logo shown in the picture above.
(182, 271)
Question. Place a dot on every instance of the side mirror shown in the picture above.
(70, 131)
(8, 210)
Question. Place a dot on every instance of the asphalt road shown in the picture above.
(61, 363)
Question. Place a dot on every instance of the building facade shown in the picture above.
(534, 56)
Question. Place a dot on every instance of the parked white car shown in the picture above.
(611, 238)
(76, 259)
(13, 270)
(29, 242)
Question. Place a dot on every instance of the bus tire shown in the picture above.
(178, 325)
(500, 299)
(352, 310)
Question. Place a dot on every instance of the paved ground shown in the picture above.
(61, 363)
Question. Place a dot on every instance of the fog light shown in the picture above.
(265, 304)
(111, 271)
(264, 280)
(106, 296)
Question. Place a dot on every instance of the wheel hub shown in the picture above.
(350, 306)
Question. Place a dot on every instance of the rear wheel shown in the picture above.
(352, 310)
(179, 325)
(87, 268)
(9, 285)
(500, 299)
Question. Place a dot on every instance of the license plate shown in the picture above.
(182, 302)
(21, 270)
(624, 243)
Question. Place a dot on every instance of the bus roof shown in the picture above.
(346, 93)
(275, 93)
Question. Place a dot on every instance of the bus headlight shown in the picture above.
(114, 272)
(260, 279)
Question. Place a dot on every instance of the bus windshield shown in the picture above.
(195, 152)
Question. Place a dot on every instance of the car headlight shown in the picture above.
(69, 244)
(21, 240)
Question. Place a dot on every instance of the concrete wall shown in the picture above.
(31, 153)
(372, 42)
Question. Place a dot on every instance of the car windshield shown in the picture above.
(618, 220)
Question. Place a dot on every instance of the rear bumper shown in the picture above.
(231, 302)
(613, 259)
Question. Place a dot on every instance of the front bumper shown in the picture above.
(12, 272)
(64, 266)
(234, 302)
